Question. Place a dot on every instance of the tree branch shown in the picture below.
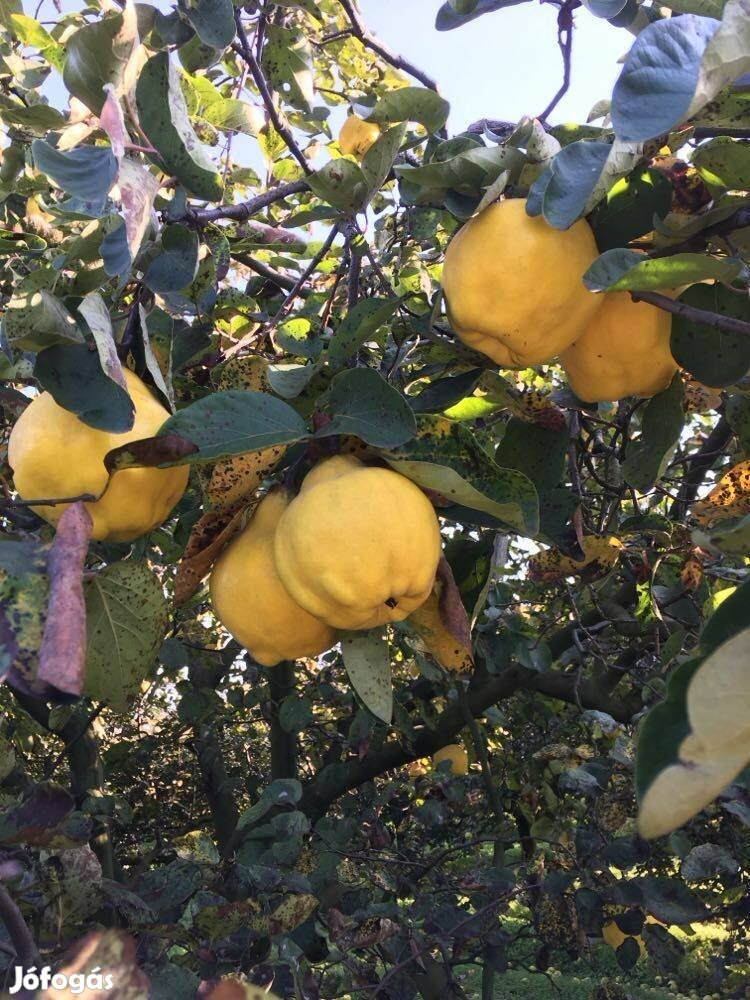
(565, 42)
(18, 931)
(737, 220)
(260, 82)
(701, 462)
(243, 210)
(216, 783)
(727, 324)
(361, 31)
(283, 743)
(326, 788)
(269, 274)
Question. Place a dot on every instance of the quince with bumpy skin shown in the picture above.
(251, 601)
(54, 454)
(359, 546)
(624, 351)
(513, 285)
(357, 135)
(458, 757)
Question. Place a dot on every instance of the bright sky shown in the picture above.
(505, 64)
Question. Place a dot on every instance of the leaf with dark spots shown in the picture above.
(168, 449)
(62, 655)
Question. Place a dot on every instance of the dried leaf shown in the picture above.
(443, 624)
(210, 535)
(729, 498)
(162, 450)
(62, 656)
(599, 556)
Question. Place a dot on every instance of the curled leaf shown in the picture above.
(599, 556)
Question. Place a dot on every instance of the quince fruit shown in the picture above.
(357, 135)
(359, 547)
(513, 284)
(54, 454)
(458, 757)
(624, 351)
(250, 600)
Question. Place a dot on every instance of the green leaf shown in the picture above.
(359, 326)
(535, 451)
(295, 714)
(724, 162)
(562, 191)
(86, 172)
(658, 80)
(444, 393)
(362, 403)
(731, 617)
(126, 616)
(35, 318)
(98, 54)
(342, 184)
(380, 157)
(232, 115)
(661, 425)
(234, 422)
(164, 119)
(31, 32)
(445, 457)
(629, 208)
(455, 13)
(213, 20)
(37, 118)
(627, 270)
(287, 61)
(74, 377)
(288, 381)
(408, 104)
(177, 264)
(368, 664)
(738, 415)
(731, 537)
(713, 357)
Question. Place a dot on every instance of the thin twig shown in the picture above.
(362, 32)
(244, 210)
(701, 462)
(727, 324)
(565, 42)
(243, 48)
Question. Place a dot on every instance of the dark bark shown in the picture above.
(283, 744)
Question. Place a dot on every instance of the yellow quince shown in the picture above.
(54, 454)
(359, 547)
(357, 135)
(624, 351)
(458, 757)
(250, 600)
(513, 284)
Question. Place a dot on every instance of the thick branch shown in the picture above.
(727, 324)
(216, 783)
(702, 461)
(326, 788)
(283, 743)
(360, 31)
(260, 82)
(244, 210)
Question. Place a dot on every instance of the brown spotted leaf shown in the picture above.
(729, 498)
(209, 536)
(442, 623)
(599, 556)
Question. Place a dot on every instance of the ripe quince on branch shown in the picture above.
(359, 546)
(624, 351)
(514, 285)
(251, 601)
(54, 454)
(357, 136)
(458, 757)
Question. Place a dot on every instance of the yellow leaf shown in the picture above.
(599, 556)
(729, 498)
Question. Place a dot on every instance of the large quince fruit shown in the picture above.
(458, 757)
(359, 546)
(54, 454)
(624, 351)
(357, 135)
(251, 601)
(513, 284)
